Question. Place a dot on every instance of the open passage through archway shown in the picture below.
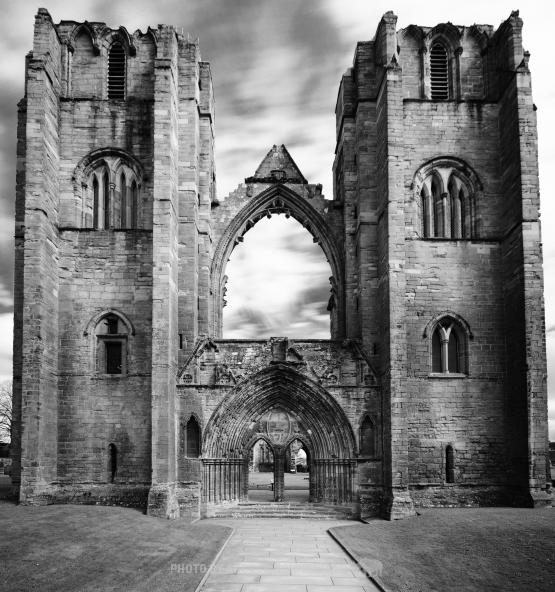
(280, 406)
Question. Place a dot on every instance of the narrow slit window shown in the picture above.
(439, 73)
(449, 465)
(113, 450)
(116, 72)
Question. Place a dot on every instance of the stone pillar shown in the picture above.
(279, 476)
(36, 288)
(391, 247)
(162, 497)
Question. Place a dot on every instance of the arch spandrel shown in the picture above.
(238, 419)
(238, 216)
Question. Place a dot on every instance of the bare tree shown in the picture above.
(6, 411)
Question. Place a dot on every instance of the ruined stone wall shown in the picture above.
(480, 279)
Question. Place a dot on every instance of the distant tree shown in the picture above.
(6, 411)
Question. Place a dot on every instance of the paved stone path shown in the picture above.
(280, 555)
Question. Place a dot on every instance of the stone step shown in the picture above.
(284, 510)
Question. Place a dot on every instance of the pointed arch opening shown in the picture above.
(277, 200)
(277, 283)
(283, 406)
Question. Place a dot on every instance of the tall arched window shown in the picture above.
(448, 347)
(192, 438)
(367, 438)
(439, 72)
(116, 72)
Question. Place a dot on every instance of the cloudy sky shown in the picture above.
(276, 67)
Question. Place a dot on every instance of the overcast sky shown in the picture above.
(276, 66)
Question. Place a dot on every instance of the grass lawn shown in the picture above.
(466, 549)
(78, 548)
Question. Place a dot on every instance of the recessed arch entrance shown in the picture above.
(279, 405)
(277, 199)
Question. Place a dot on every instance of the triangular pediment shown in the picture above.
(277, 167)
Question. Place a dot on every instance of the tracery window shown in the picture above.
(448, 347)
(111, 193)
(447, 195)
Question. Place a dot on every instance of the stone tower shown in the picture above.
(431, 390)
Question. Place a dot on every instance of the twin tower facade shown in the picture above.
(432, 388)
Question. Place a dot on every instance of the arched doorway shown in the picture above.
(279, 405)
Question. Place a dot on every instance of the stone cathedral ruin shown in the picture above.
(432, 388)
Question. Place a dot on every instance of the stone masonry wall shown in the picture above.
(103, 270)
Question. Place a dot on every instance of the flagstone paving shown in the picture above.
(280, 555)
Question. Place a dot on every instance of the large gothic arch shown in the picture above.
(277, 199)
(315, 417)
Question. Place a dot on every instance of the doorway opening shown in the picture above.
(296, 473)
(261, 472)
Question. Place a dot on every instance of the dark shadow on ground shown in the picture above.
(460, 550)
(85, 548)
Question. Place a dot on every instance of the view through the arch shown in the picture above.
(278, 284)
